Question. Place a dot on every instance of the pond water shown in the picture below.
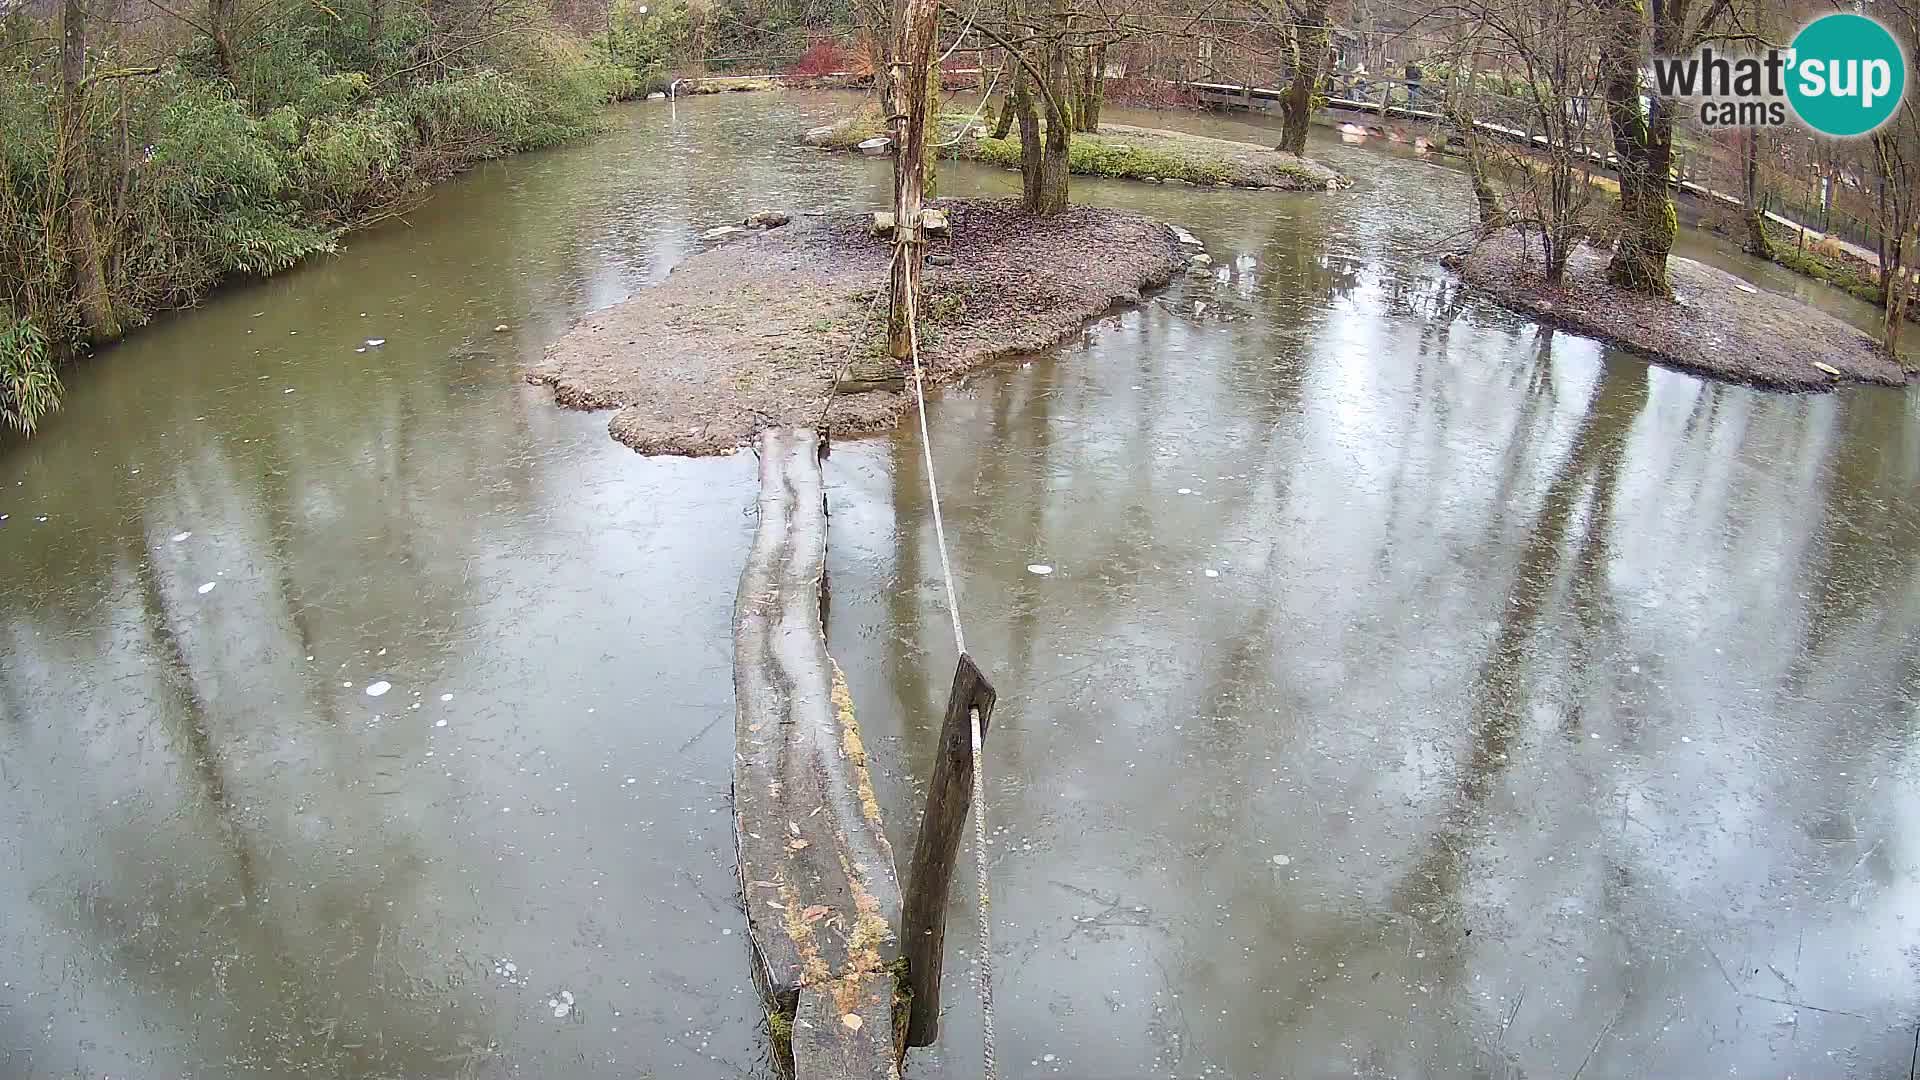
(1417, 692)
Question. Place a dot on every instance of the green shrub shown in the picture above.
(1092, 156)
(643, 37)
(1096, 158)
(29, 386)
(220, 180)
(346, 161)
(194, 176)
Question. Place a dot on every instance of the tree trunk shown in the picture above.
(1089, 117)
(1051, 196)
(1088, 84)
(1894, 272)
(74, 175)
(377, 29)
(1644, 147)
(910, 75)
(1493, 216)
(220, 29)
(875, 43)
(1757, 241)
(1895, 212)
(930, 110)
(1031, 151)
(1003, 125)
(1311, 45)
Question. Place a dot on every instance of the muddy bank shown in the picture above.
(1118, 151)
(1717, 325)
(752, 333)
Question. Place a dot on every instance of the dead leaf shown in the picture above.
(816, 913)
(796, 845)
(794, 827)
(853, 1021)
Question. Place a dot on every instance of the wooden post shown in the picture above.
(923, 924)
(913, 45)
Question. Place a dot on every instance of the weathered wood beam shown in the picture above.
(923, 929)
(816, 872)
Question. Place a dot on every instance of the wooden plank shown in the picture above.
(923, 929)
(816, 872)
(845, 1029)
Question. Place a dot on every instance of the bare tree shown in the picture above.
(1752, 199)
(74, 170)
(1309, 51)
(1643, 136)
(1896, 159)
(1553, 79)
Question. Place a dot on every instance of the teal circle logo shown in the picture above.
(1849, 75)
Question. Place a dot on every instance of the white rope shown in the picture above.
(984, 98)
(985, 908)
(965, 28)
(853, 348)
(933, 487)
(983, 970)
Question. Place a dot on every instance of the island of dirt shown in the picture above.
(1716, 325)
(755, 332)
(1118, 151)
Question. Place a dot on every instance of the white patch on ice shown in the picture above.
(1213, 573)
(375, 342)
(207, 588)
(1282, 860)
(1039, 568)
(379, 687)
(442, 722)
(1184, 491)
(182, 537)
(446, 697)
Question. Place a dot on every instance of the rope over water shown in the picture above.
(984, 967)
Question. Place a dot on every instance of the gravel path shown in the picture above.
(752, 333)
(1717, 325)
